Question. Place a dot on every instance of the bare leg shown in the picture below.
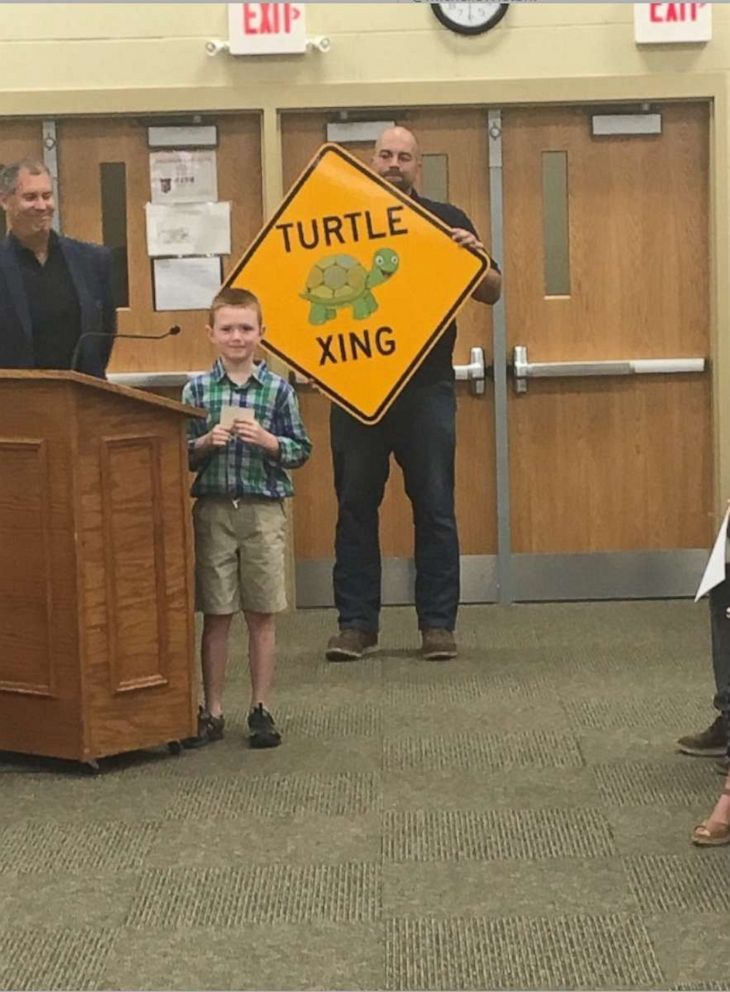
(721, 812)
(716, 828)
(261, 655)
(214, 656)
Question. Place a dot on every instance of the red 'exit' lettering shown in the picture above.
(270, 18)
(672, 13)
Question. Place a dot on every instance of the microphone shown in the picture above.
(171, 332)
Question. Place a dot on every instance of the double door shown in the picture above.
(584, 460)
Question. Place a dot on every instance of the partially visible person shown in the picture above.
(419, 430)
(239, 518)
(715, 830)
(56, 300)
(714, 741)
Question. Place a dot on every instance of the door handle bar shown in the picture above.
(475, 372)
(523, 370)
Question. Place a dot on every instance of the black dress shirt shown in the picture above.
(55, 314)
(438, 364)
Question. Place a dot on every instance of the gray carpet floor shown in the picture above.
(516, 819)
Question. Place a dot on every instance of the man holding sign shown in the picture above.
(419, 429)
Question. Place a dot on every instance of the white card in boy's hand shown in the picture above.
(231, 413)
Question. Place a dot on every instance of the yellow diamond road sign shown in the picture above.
(357, 282)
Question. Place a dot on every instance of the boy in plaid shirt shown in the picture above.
(241, 453)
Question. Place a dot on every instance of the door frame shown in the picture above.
(274, 99)
(510, 577)
(506, 576)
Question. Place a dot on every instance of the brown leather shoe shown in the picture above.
(710, 743)
(350, 644)
(438, 644)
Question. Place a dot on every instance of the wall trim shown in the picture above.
(324, 96)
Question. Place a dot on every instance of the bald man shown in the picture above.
(419, 430)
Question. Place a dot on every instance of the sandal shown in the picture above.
(707, 834)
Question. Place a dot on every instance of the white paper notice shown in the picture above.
(186, 283)
(715, 570)
(188, 229)
(183, 177)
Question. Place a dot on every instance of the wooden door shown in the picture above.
(454, 145)
(112, 154)
(18, 139)
(611, 466)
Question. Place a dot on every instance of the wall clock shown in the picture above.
(469, 18)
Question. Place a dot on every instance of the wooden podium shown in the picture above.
(96, 586)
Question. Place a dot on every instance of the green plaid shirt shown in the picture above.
(241, 469)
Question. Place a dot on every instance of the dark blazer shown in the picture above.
(90, 268)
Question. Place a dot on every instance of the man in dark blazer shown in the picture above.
(56, 305)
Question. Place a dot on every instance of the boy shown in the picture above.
(241, 454)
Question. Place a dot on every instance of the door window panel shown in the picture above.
(113, 179)
(555, 223)
(435, 177)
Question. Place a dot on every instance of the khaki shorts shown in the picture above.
(239, 555)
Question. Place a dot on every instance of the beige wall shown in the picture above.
(132, 46)
(96, 58)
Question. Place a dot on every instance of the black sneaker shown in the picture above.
(210, 728)
(710, 743)
(262, 730)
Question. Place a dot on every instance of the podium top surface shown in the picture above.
(102, 386)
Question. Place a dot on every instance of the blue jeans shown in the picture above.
(420, 431)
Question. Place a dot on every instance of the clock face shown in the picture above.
(470, 18)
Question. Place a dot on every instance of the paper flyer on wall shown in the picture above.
(186, 283)
(188, 229)
(183, 176)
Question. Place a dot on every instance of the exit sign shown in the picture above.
(672, 23)
(266, 28)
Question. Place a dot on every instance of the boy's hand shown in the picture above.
(218, 437)
(252, 432)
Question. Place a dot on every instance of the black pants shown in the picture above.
(720, 623)
(419, 430)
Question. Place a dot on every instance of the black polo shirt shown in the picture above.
(438, 364)
(55, 314)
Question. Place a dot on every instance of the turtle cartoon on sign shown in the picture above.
(341, 281)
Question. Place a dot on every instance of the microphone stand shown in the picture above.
(171, 332)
